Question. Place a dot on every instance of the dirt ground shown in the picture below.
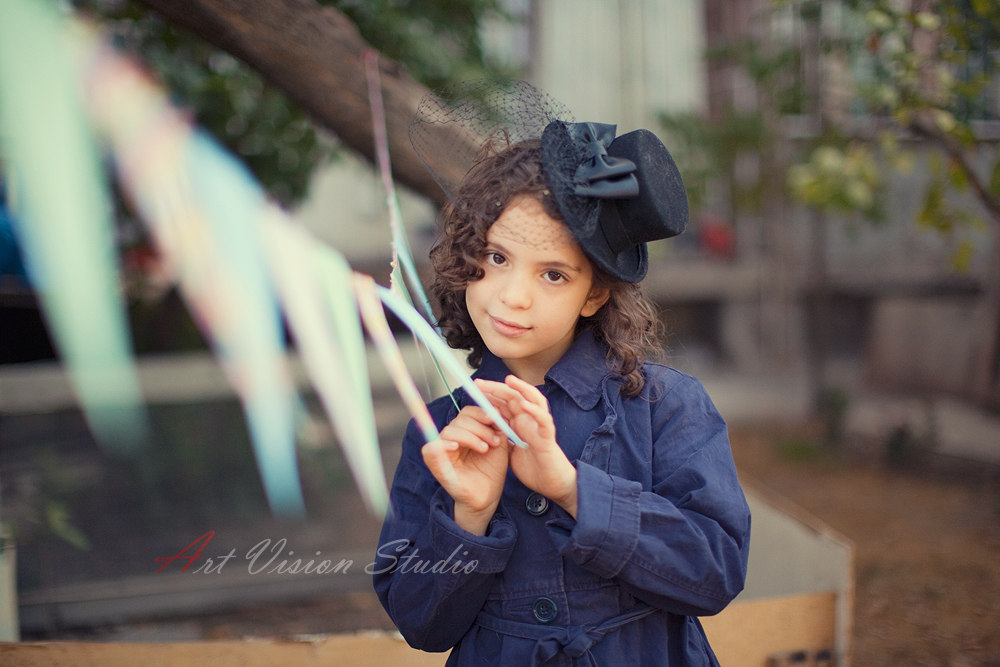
(927, 540)
(927, 560)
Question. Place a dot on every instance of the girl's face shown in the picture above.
(538, 282)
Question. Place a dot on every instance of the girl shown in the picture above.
(622, 520)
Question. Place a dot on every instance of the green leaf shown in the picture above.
(965, 135)
(945, 121)
(927, 21)
(961, 259)
(375, 322)
(931, 214)
(957, 176)
(994, 186)
(57, 517)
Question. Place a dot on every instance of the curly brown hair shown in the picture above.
(627, 323)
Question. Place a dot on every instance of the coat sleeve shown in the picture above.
(431, 575)
(681, 546)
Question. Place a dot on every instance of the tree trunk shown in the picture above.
(986, 368)
(819, 282)
(316, 55)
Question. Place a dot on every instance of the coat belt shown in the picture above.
(574, 640)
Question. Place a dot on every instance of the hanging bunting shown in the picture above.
(385, 344)
(314, 286)
(63, 220)
(202, 207)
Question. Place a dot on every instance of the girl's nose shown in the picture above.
(515, 291)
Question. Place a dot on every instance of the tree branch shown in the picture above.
(954, 150)
(315, 54)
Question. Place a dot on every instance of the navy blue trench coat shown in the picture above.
(661, 536)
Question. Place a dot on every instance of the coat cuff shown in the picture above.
(606, 531)
(490, 551)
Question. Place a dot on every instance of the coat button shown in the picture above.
(537, 504)
(545, 610)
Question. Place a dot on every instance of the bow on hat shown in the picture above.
(601, 175)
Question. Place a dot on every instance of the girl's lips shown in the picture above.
(505, 328)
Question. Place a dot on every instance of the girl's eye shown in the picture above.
(554, 277)
(496, 259)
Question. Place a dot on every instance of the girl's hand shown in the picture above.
(542, 466)
(470, 461)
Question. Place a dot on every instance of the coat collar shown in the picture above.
(580, 372)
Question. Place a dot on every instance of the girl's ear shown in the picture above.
(598, 297)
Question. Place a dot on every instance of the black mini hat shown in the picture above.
(615, 194)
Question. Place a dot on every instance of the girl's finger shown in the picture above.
(437, 460)
(474, 442)
(527, 390)
(512, 400)
(503, 391)
(494, 392)
(479, 442)
(541, 415)
(516, 390)
(480, 415)
(485, 431)
(516, 407)
(476, 413)
(497, 402)
(487, 385)
(501, 406)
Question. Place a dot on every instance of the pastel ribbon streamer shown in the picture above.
(314, 284)
(401, 252)
(420, 328)
(400, 242)
(203, 208)
(385, 343)
(63, 220)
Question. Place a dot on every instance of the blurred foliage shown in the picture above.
(774, 68)
(706, 150)
(940, 64)
(437, 41)
(798, 449)
(935, 70)
(939, 214)
(839, 180)
(931, 74)
(833, 405)
(254, 119)
(39, 507)
(738, 149)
